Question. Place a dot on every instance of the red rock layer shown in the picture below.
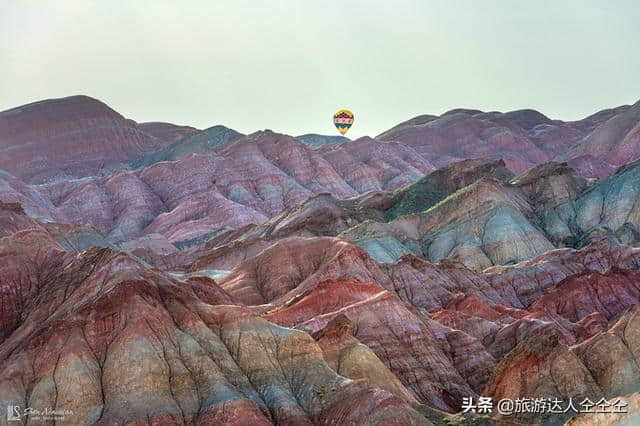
(140, 347)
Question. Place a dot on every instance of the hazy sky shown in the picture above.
(288, 65)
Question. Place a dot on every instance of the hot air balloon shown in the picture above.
(343, 119)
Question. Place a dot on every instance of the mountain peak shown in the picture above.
(70, 107)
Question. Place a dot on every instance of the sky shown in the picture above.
(289, 65)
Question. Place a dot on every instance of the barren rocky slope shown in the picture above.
(74, 137)
(113, 341)
(387, 341)
(210, 277)
(594, 145)
(84, 156)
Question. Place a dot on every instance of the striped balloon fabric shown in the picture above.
(343, 120)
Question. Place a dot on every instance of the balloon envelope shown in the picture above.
(343, 120)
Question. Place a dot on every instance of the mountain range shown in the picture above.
(156, 273)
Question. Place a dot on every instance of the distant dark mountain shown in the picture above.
(209, 139)
(313, 140)
(443, 182)
(166, 131)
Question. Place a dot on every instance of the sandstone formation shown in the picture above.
(443, 182)
(70, 137)
(174, 189)
(615, 140)
(595, 145)
(159, 274)
(141, 347)
(368, 164)
(452, 137)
